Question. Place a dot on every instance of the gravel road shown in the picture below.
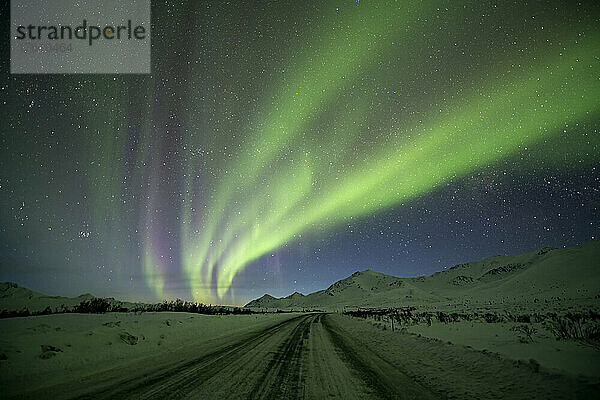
(305, 357)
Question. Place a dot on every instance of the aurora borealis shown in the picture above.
(279, 146)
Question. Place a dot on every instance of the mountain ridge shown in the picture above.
(16, 298)
(541, 274)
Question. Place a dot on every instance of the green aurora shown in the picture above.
(510, 112)
(269, 124)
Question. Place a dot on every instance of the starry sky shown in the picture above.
(280, 146)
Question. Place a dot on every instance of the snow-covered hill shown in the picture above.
(540, 276)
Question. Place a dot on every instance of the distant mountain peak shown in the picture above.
(366, 272)
(7, 285)
(545, 250)
(529, 275)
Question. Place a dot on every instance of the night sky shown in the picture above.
(281, 146)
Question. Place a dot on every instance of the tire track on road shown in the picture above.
(283, 378)
(307, 356)
(177, 381)
(385, 379)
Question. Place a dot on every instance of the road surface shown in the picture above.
(306, 357)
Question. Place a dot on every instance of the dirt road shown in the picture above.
(302, 358)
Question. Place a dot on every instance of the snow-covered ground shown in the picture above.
(456, 371)
(571, 357)
(157, 355)
(45, 350)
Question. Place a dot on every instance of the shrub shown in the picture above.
(525, 332)
(574, 326)
(492, 318)
(525, 318)
(95, 306)
(441, 317)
